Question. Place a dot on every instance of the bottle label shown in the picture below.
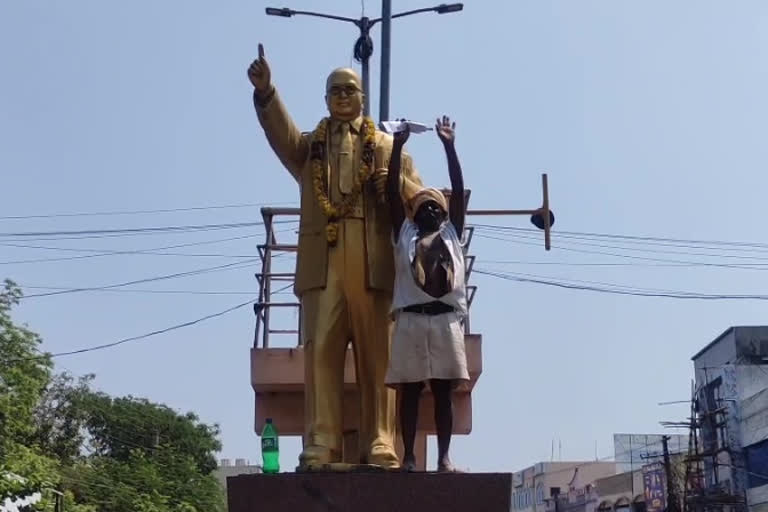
(269, 443)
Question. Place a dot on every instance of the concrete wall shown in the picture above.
(757, 499)
(623, 485)
(753, 394)
(720, 351)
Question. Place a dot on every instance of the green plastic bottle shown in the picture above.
(270, 448)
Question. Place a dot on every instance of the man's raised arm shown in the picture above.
(286, 140)
(446, 131)
(396, 209)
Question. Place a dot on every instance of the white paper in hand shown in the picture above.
(398, 126)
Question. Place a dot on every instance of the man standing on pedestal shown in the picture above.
(344, 267)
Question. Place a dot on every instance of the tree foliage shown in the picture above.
(104, 454)
(118, 425)
(158, 482)
(24, 374)
(60, 418)
(145, 456)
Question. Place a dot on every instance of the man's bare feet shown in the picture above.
(444, 465)
(409, 464)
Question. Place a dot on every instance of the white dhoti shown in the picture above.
(426, 347)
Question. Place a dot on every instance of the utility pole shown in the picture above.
(386, 43)
(673, 505)
(364, 44)
(386, 46)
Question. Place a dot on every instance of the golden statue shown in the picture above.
(345, 264)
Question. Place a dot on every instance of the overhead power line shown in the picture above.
(126, 253)
(618, 289)
(144, 229)
(132, 338)
(152, 251)
(160, 292)
(227, 266)
(141, 212)
(130, 232)
(141, 336)
(585, 264)
(637, 238)
(648, 250)
(752, 266)
(175, 246)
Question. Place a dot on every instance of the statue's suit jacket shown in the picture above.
(292, 147)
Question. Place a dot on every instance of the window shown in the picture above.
(540, 495)
(756, 458)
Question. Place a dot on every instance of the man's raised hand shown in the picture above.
(446, 130)
(259, 73)
(401, 137)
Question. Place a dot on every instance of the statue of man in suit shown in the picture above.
(345, 264)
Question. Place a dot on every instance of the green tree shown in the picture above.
(118, 425)
(162, 482)
(145, 456)
(24, 374)
(106, 454)
(60, 417)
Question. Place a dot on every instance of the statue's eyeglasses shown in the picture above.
(348, 90)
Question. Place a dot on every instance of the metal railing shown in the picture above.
(266, 278)
(542, 217)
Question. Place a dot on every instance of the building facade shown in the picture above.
(537, 486)
(642, 490)
(731, 399)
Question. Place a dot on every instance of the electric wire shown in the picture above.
(141, 212)
(133, 338)
(217, 268)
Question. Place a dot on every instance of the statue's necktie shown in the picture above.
(346, 170)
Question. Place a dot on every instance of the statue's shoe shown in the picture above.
(317, 457)
(383, 456)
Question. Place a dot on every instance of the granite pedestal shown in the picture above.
(370, 492)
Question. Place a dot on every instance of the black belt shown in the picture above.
(430, 308)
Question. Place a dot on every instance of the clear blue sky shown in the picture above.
(650, 118)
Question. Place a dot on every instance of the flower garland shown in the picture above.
(339, 210)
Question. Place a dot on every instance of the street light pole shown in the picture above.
(386, 41)
(363, 52)
(386, 38)
(364, 43)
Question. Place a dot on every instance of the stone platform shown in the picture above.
(370, 492)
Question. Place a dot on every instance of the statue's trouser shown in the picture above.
(345, 309)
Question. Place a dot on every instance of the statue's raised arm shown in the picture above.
(290, 146)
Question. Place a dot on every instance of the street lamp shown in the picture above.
(364, 44)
